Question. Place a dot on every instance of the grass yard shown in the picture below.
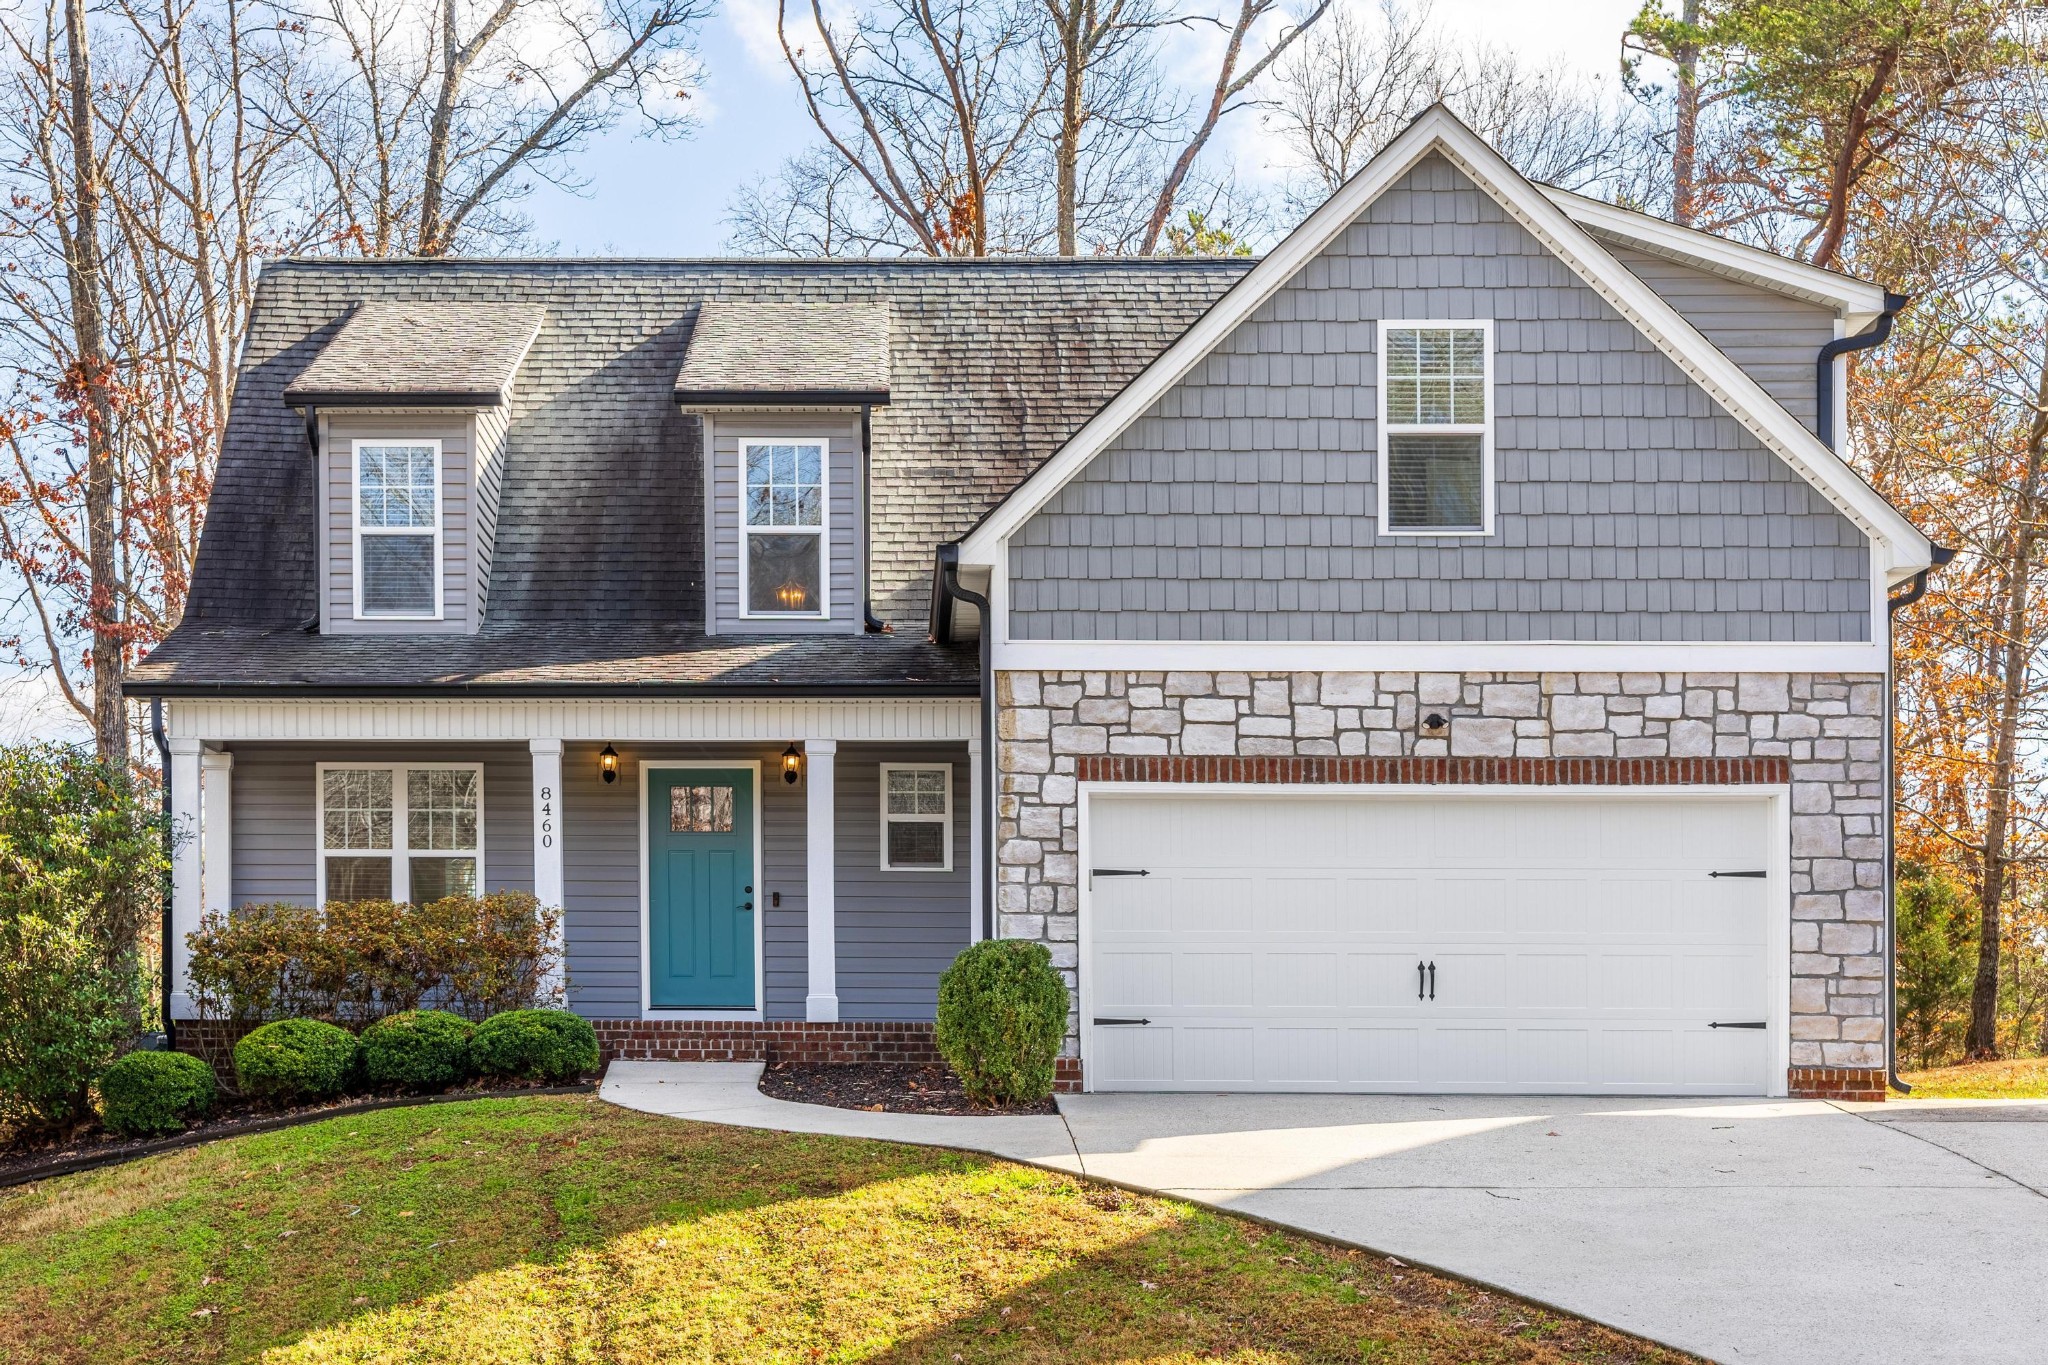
(2019, 1078)
(566, 1230)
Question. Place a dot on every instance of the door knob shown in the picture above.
(746, 905)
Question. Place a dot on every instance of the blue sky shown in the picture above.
(647, 197)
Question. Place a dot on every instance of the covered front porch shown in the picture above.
(726, 868)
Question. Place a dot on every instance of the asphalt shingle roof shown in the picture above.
(599, 539)
(765, 352)
(462, 354)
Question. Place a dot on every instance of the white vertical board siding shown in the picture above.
(843, 493)
(458, 577)
(1579, 944)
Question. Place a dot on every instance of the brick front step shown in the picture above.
(1836, 1083)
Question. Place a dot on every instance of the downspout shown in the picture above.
(1824, 366)
(875, 625)
(1915, 590)
(163, 757)
(949, 586)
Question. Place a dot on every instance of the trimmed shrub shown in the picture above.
(148, 1094)
(296, 1060)
(1002, 1014)
(417, 1050)
(535, 1045)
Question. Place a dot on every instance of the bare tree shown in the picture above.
(1111, 108)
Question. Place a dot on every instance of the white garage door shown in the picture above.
(1531, 943)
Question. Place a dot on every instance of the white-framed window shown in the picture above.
(400, 831)
(917, 817)
(1436, 428)
(785, 550)
(397, 528)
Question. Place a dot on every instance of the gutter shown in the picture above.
(163, 755)
(538, 691)
(1824, 365)
(950, 592)
(1915, 590)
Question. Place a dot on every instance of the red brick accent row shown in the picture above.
(1836, 1083)
(719, 1040)
(1506, 772)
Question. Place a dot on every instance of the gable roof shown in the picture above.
(597, 563)
(420, 353)
(779, 353)
(1896, 543)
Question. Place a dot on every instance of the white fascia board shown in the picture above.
(1858, 302)
(1896, 542)
(596, 720)
(1407, 656)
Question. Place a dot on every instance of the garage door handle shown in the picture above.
(1432, 981)
(1099, 1023)
(1758, 874)
(1119, 872)
(1747, 1023)
(1418, 979)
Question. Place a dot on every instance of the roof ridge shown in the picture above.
(777, 262)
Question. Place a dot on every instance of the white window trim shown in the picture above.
(945, 821)
(823, 529)
(1483, 430)
(357, 530)
(401, 872)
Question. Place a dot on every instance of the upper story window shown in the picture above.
(783, 529)
(1436, 439)
(398, 529)
(400, 832)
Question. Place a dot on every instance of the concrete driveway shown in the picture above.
(1791, 1231)
(1748, 1230)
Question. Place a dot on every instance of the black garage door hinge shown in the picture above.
(1102, 1022)
(1739, 874)
(1747, 1023)
(1119, 872)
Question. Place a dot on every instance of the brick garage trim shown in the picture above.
(1504, 772)
(1835, 1083)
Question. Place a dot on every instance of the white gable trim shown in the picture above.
(1897, 546)
(1857, 302)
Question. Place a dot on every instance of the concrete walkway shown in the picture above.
(1745, 1231)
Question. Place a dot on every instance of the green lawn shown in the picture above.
(2021, 1078)
(565, 1230)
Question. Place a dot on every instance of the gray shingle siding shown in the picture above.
(1243, 505)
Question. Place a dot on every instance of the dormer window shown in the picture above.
(783, 529)
(398, 529)
(1436, 442)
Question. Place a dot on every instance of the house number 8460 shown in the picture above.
(547, 817)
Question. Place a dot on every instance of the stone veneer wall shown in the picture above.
(1827, 727)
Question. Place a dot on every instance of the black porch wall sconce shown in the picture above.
(608, 763)
(792, 764)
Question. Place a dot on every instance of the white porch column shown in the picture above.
(977, 892)
(217, 830)
(186, 855)
(547, 848)
(821, 1005)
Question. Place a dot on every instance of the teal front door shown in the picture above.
(700, 888)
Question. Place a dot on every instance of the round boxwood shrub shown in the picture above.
(148, 1094)
(417, 1050)
(1002, 1014)
(535, 1045)
(296, 1060)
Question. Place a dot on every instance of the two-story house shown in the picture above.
(1444, 654)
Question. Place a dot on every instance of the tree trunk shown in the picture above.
(91, 384)
(1685, 137)
(1073, 27)
(2018, 569)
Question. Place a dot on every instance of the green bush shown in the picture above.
(417, 1050)
(1937, 964)
(535, 1045)
(296, 1060)
(81, 869)
(1002, 1014)
(146, 1094)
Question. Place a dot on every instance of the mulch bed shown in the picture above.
(94, 1147)
(882, 1087)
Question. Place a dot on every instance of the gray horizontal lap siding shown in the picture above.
(1243, 504)
(1774, 338)
(897, 930)
(842, 520)
(276, 813)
